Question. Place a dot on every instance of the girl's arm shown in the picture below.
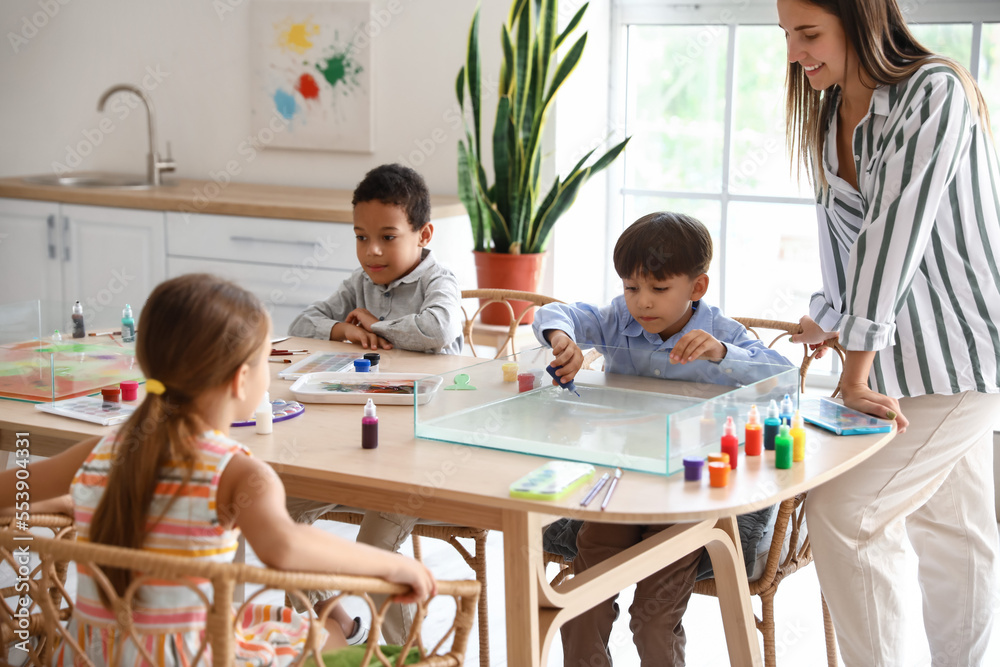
(46, 479)
(252, 497)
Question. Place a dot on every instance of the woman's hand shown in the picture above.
(814, 336)
(860, 397)
(415, 575)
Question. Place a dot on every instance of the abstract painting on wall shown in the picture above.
(312, 73)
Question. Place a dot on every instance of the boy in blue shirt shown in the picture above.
(663, 260)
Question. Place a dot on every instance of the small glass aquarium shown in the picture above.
(40, 366)
(647, 416)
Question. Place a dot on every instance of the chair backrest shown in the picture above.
(785, 330)
(45, 597)
(502, 296)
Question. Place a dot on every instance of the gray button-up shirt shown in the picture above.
(421, 312)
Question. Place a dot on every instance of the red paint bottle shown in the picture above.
(369, 427)
(730, 443)
(754, 433)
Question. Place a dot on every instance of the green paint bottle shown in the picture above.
(783, 448)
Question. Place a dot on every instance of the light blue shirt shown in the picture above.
(629, 349)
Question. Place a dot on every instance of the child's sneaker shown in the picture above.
(360, 634)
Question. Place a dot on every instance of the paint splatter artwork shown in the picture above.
(46, 371)
(312, 74)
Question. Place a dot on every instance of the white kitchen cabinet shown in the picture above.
(288, 264)
(30, 262)
(57, 253)
(112, 257)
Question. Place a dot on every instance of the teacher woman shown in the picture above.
(898, 144)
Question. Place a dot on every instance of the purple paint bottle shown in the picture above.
(369, 427)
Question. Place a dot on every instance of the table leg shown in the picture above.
(522, 551)
(734, 595)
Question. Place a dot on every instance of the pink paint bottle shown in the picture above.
(369, 427)
(730, 444)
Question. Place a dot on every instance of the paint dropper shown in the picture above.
(568, 384)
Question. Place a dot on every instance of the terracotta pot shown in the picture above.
(503, 271)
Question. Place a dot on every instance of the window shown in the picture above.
(701, 90)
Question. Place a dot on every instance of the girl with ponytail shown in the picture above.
(169, 480)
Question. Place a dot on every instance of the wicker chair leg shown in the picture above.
(831, 636)
(766, 626)
(418, 552)
(484, 615)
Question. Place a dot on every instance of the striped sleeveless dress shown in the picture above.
(170, 618)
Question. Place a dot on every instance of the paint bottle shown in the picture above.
(56, 336)
(730, 443)
(263, 417)
(754, 433)
(783, 448)
(692, 468)
(373, 359)
(568, 385)
(369, 427)
(771, 424)
(128, 325)
(362, 365)
(718, 474)
(78, 329)
(786, 410)
(798, 433)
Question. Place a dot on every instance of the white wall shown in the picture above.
(201, 48)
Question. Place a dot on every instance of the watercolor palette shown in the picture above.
(91, 409)
(49, 371)
(280, 411)
(320, 362)
(382, 388)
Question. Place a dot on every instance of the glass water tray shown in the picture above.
(646, 423)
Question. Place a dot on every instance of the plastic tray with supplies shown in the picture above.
(839, 419)
(552, 481)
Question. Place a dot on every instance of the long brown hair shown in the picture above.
(195, 332)
(887, 54)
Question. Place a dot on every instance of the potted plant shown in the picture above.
(512, 219)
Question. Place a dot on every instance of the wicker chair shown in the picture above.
(46, 594)
(790, 518)
(504, 296)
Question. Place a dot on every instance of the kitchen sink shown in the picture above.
(91, 180)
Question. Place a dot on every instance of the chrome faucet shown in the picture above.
(155, 165)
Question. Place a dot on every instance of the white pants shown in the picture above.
(935, 482)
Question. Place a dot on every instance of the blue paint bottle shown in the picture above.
(787, 410)
(771, 425)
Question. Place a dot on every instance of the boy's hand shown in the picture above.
(362, 318)
(568, 355)
(357, 334)
(697, 344)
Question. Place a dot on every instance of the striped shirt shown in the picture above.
(909, 259)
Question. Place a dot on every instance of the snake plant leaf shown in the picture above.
(546, 38)
(473, 66)
(507, 65)
(501, 158)
(566, 67)
(467, 193)
(573, 22)
(460, 88)
(515, 10)
(523, 55)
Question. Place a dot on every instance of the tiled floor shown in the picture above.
(799, 639)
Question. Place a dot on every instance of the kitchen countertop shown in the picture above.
(200, 196)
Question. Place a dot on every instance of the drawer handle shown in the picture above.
(253, 239)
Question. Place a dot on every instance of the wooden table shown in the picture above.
(318, 455)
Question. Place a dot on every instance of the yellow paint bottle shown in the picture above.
(798, 434)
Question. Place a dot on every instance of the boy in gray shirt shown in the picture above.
(399, 297)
